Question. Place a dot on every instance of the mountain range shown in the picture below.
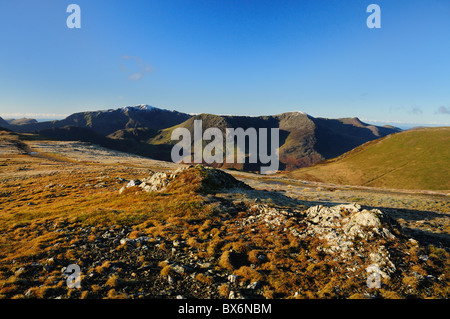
(105, 122)
(146, 130)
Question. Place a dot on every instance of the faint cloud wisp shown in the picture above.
(443, 110)
(416, 110)
(135, 67)
(34, 115)
(363, 96)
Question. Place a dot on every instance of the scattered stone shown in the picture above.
(128, 241)
(19, 271)
(100, 185)
(204, 265)
(254, 285)
(181, 269)
(232, 278)
(133, 182)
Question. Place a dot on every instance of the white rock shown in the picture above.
(232, 278)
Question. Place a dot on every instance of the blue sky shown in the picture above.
(228, 57)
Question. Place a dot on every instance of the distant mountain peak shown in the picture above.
(292, 113)
(140, 107)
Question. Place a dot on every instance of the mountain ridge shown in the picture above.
(304, 139)
(108, 121)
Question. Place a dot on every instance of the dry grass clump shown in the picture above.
(167, 271)
(193, 242)
(224, 290)
(103, 267)
(232, 260)
(254, 256)
(204, 279)
(248, 274)
(113, 294)
(214, 247)
(135, 234)
(116, 282)
(188, 181)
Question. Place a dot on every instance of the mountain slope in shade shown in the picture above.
(106, 122)
(417, 159)
(129, 145)
(3, 123)
(304, 140)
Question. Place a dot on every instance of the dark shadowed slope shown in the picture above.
(304, 140)
(108, 121)
(145, 130)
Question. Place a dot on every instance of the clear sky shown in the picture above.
(228, 57)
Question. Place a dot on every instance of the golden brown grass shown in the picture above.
(204, 279)
(64, 199)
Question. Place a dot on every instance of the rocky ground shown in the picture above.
(140, 231)
(422, 214)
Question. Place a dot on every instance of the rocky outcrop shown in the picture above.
(343, 226)
(156, 182)
(347, 222)
(200, 178)
(345, 230)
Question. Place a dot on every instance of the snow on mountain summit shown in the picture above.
(140, 107)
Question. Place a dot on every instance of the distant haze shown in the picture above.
(404, 126)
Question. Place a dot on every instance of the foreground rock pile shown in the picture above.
(340, 227)
(344, 225)
(158, 181)
(209, 180)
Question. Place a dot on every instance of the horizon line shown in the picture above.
(60, 116)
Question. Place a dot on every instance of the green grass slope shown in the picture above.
(416, 159)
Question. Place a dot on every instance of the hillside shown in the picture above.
(3, 123)
(415, 159)
(127, 140)
(304, 140)
(146, 130)
(22, 121)
(105, 122)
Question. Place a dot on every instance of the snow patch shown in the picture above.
(140, 107)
